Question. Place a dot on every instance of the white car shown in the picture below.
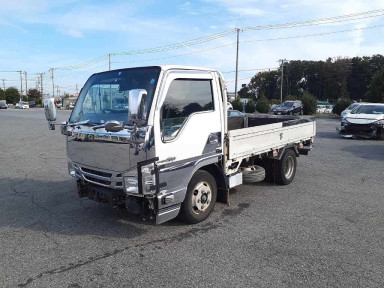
(366, 121)
(22, 105)
(320, 109)
(229, 106)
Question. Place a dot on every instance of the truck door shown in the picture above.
(188, 119)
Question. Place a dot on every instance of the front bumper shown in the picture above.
(281, 112)
(358, 130)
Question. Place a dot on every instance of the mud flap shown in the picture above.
(223, 196)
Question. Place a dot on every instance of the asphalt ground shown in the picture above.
(325, 229)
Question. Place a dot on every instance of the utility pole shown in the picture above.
(41, 85)
(282, 79)
(109, 56)
(3, 84)
(26, 85)
(57, 90)
(21, 85)
(77, 89)
(53, 82)
(237, 60)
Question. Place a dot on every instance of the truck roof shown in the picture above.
(185, 67)
(168, 67)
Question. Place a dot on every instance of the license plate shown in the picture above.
(278, 113)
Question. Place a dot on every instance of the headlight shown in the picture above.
(131, 184)
(145, 184)
(71, 169)
(344, 122)
(148, 179)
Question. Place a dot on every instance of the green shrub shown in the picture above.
(341, 105)
(250, 107)
(291, 98)
(262, 105)
(309, 103)
(237, 104)
(274, 101)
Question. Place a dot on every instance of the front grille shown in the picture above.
(365, 128)
(104, 178)
(95, 172)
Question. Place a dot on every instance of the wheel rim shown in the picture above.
(289, 167)
(201, 197)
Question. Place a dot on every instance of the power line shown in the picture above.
(312, 35)
(211, 37)
(321, 21)
(256, 40)
(246, 41)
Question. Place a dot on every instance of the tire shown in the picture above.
(253, 174)
(286, 168)
(199, 199)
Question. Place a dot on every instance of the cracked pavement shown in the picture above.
(326, 229)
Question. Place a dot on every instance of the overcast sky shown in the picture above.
(39, 35)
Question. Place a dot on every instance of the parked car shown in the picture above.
(366, 121)
(235, 113)
(229, 106)
(273, 108)
(22, 105)
(32, 104)
(350, 108)
(3, 106)
(328, 108)
(320, 109)
(324, 109)
(289, 108)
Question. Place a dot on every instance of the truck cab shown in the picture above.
(154, 141)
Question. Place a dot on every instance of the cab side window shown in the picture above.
(184, 97)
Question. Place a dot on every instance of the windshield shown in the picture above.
(352, 106)
(104, 97)
(288, 104)
(370, 109)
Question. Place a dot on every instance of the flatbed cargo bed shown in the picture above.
(265, 133)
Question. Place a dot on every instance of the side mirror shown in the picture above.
(50, 112)
(136, 105)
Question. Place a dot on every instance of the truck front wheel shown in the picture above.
(286, 168)
(200, 198)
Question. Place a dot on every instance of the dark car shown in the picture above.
(32, 104)
(3, 106)
(235, 119)
(289, 108)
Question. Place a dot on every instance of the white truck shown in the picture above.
(157, 141)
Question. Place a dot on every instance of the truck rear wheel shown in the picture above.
(285, 169)
(200, 198)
